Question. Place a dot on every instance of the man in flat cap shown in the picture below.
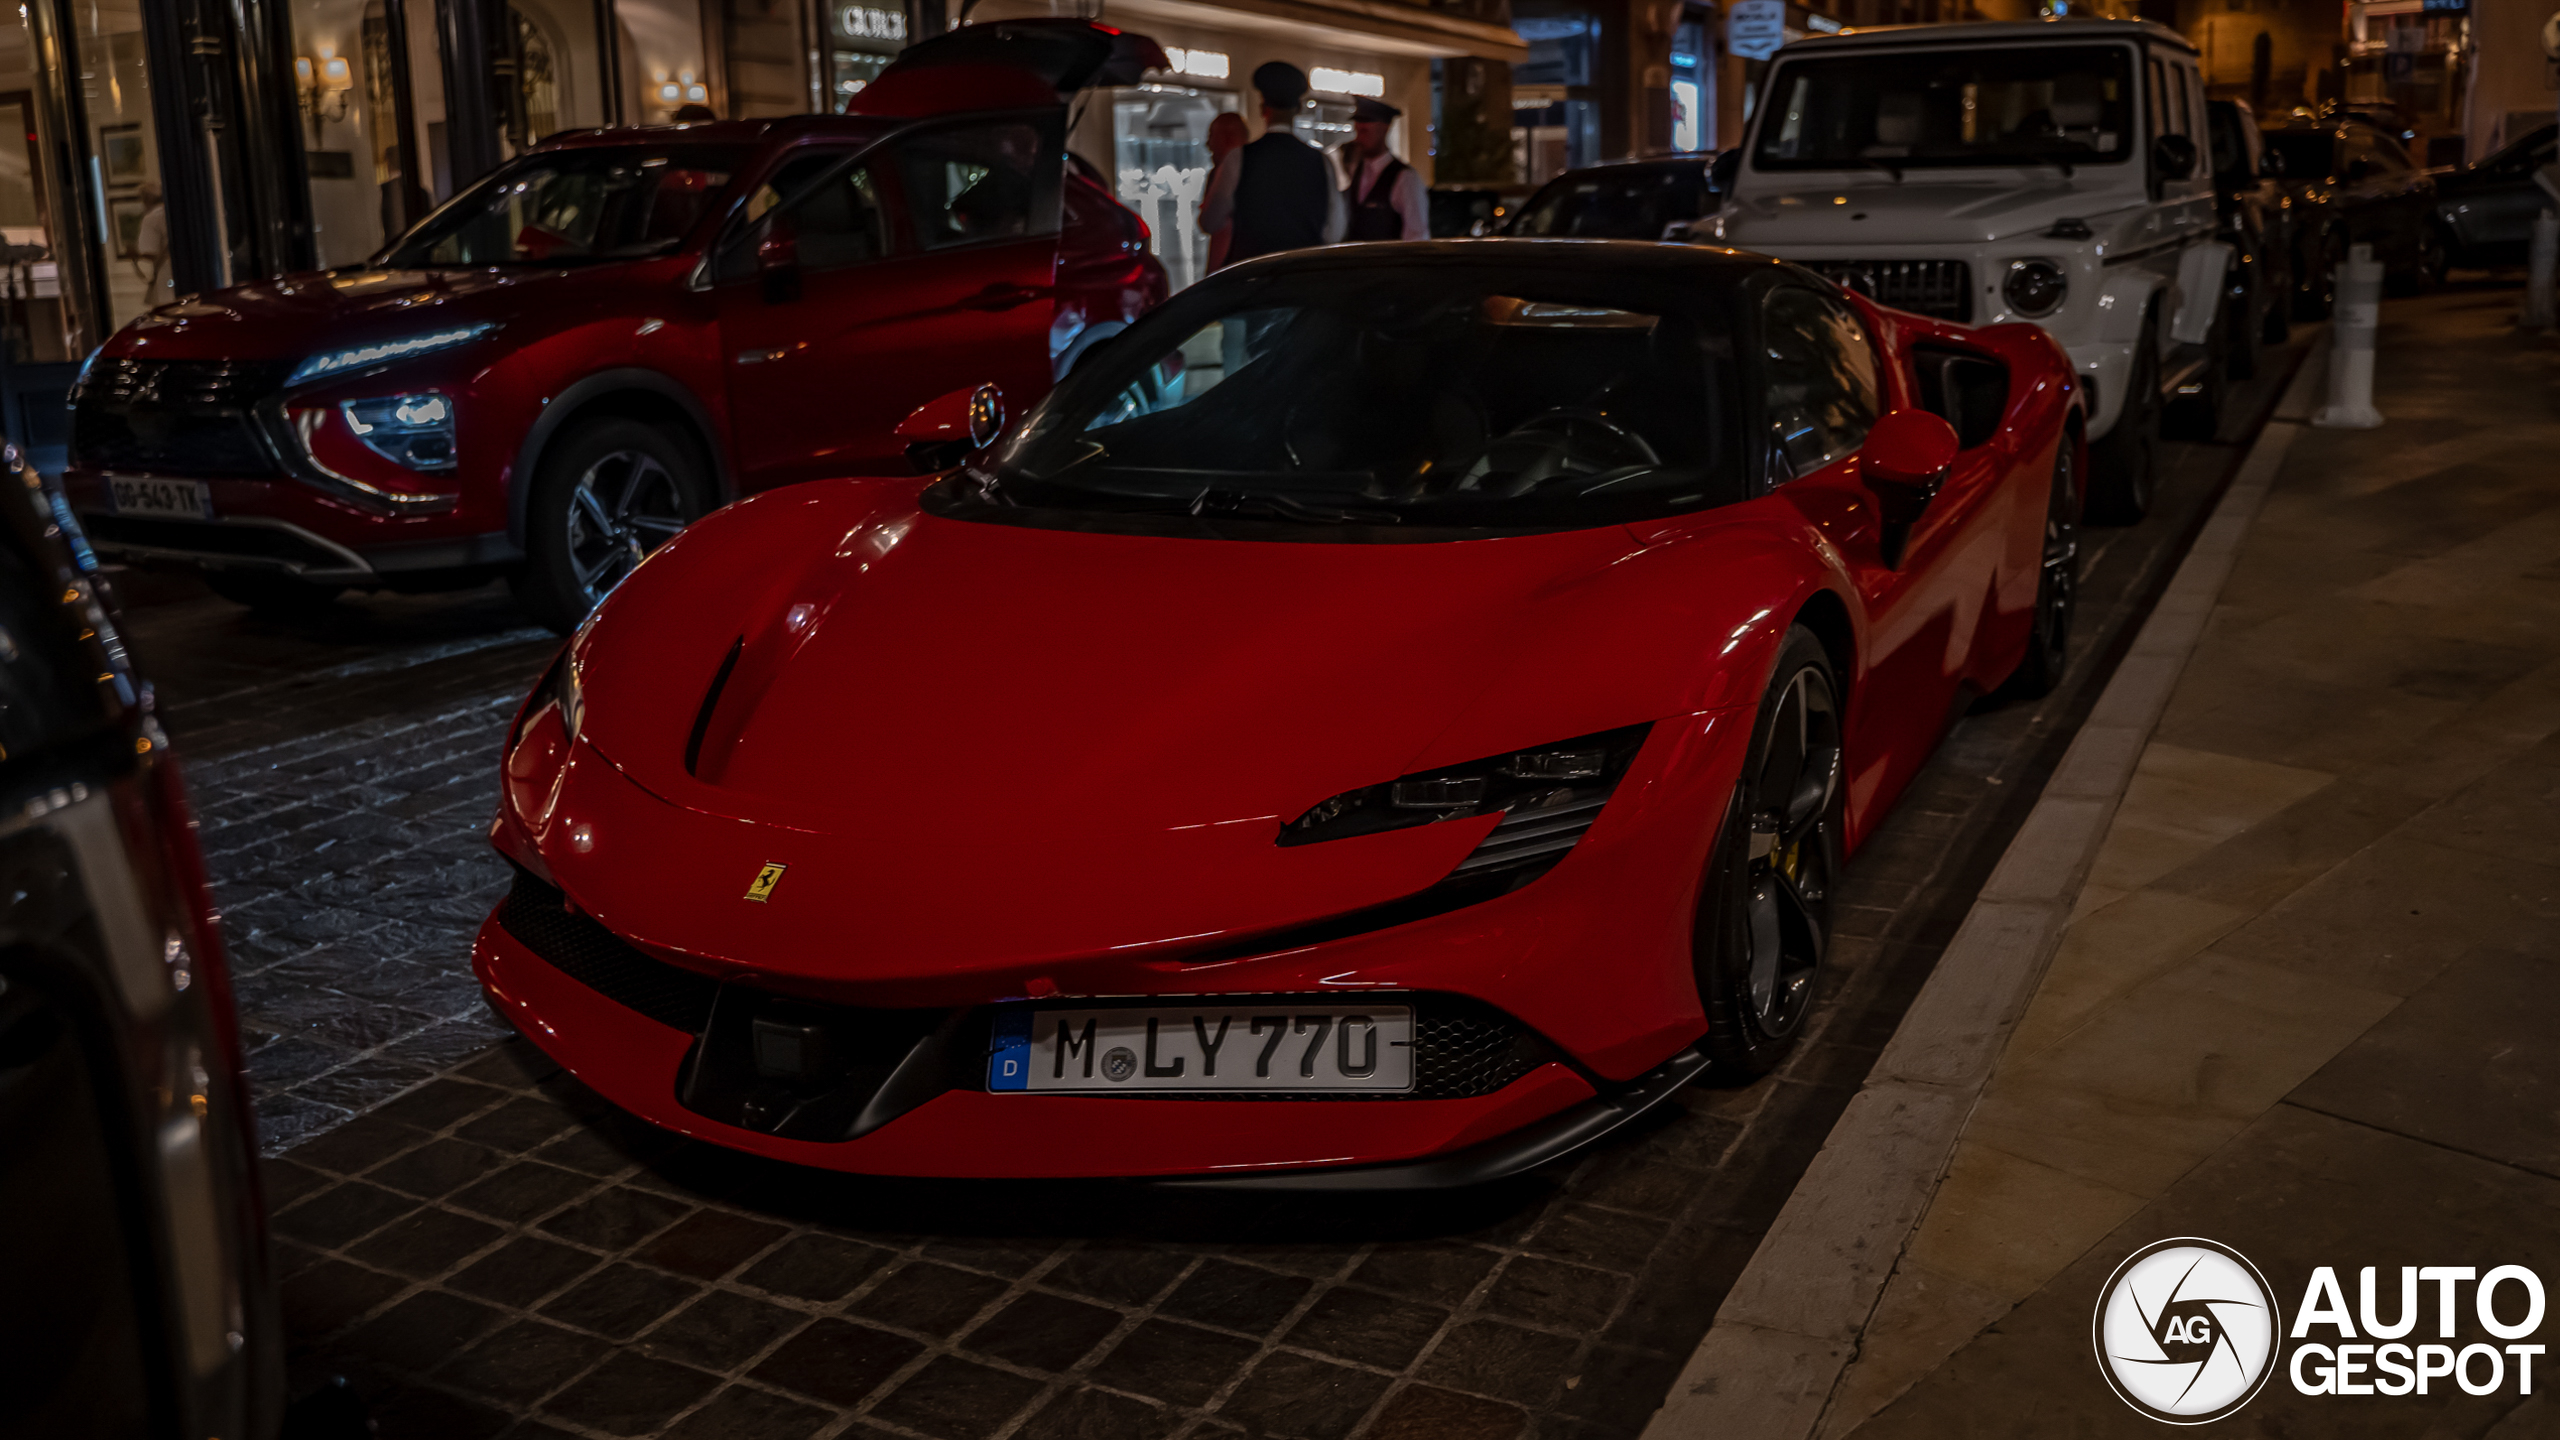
(1385, 196)
(1278, 194)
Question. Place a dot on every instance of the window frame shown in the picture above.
(1776, 469)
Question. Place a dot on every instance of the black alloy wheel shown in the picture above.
(2316, 287)
(2126, 462)
(2199, 416)
(2057, 582)
(607, 494)
(269, 590)
(1764, 913)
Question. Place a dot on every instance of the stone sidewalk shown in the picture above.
(2307, 1003)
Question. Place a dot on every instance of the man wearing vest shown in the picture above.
(1280, 196)
(1385, 197)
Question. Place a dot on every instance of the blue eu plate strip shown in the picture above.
(1009, 1050)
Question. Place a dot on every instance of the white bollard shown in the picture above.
(2545, 258)
(2359, 314)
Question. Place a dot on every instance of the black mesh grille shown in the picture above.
(173, 417)
(1939, 288)
(590, 954)
(1461, 1047)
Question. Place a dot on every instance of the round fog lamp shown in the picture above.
(2035, 287)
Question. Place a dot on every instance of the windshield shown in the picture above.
(2308, 154)
(566, 207)
(1634, 205)
(2023, 105)
(1468, 396)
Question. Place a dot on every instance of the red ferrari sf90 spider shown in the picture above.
(1394, 714)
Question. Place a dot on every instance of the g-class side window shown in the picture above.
(1821, 368)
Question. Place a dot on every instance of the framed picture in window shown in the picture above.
(122, 154)
(124, 225)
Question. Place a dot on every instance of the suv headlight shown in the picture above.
(1584, 769)
(381, 352)
(2035, 287)
(412, 431)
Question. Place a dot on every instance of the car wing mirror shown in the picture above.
(2359, 170)
(2271, 165)
(2174, 156)
(1905, 459)
(1721, 174)
(778, 261)
(943, 432)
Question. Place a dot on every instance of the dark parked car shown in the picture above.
(2364, 190)
(1631, 200)
(2249, 204)
(2487, 210)
(617, 332)
(137, 1299)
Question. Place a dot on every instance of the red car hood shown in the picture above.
(295, 315)
(988, 744)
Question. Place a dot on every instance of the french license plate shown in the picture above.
(178, 499)
(1211, 1047)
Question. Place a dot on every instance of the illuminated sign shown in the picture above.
(1202, 64)
(1347, 82)
(861, 22)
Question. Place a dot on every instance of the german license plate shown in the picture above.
(177, 499)
(1208, 1047)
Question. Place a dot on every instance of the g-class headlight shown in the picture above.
(2035, 287)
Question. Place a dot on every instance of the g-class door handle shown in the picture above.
(1004, 296)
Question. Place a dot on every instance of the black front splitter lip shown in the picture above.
(1523, 1149)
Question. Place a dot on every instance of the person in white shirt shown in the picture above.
(1385, 196)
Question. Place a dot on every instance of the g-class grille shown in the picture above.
(1942, 289)
(173, 417)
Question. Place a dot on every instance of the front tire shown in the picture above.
(2126, 463)
(607, 494)
(2057, 581)
(1764, 913)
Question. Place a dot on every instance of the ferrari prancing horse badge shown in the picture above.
(766, 879)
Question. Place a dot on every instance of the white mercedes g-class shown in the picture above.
(2017, 170)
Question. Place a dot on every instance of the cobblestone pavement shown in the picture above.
(496, 1252)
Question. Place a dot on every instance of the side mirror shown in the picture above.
(2174, 156)
(943, 432)
(2271, 165)
(778, 261)
(1726, 168)
(2359, 170)
(1904, 461)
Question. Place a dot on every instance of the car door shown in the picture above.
(2503, 212)
(2376, 184)
(921, 267)
(1923, 588)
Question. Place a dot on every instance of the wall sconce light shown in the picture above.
(323, 88)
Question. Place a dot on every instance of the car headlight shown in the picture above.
(414, 431)
(1548, 795)
(2035, 287)
(406, 347)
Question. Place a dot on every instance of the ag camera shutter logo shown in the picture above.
(2186, 1330)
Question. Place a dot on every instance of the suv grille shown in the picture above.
(1941, 289)
(173, 417)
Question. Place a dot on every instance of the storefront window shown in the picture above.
(1554, 127)
(861, 41)
(32, 323)
(1692, 90)
(1160, 163)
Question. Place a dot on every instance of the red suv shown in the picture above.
(620, 330)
